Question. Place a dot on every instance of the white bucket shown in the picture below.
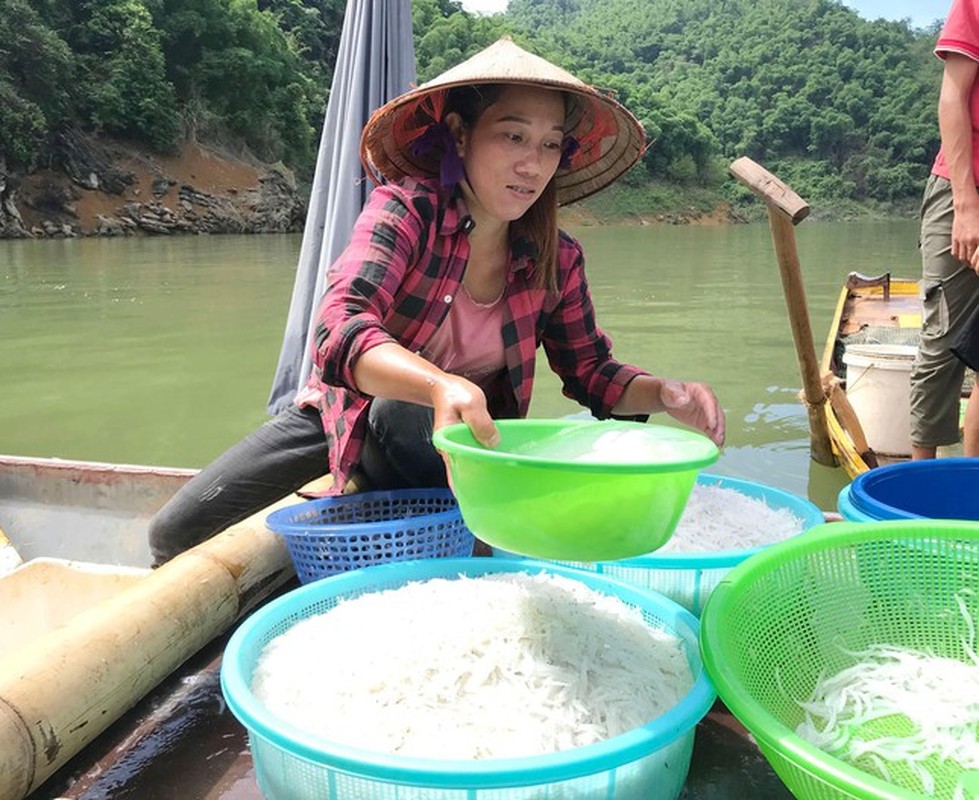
(878, 385)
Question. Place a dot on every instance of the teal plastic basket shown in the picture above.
(344, 532)
(291, 764)
(689, 577)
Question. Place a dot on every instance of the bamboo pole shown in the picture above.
(58, 692)
(785, 210)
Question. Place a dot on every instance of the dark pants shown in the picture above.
(283, 455)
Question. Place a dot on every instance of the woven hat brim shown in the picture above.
(385, 146)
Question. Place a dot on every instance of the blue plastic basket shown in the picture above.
(290, 764)
(689, 577)
(336, 534)
(940, 488)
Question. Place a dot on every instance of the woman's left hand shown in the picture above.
(694, 404)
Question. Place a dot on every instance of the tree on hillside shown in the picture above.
(122, 84)
(445, 35)
(149, 70)
(234, 69)
(315, 27)
(35, 79)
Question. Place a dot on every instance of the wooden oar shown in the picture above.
(785, 210)
(847, 416)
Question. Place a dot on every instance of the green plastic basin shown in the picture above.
(583, 490)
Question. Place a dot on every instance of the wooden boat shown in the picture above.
(88, 629)
(879, 308)
(112, 688)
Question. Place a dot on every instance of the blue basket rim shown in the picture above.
(282, 520)
(491, 773)
(862, 501)
(851, 513)
(802, 507)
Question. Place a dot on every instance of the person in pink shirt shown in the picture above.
(949, 243)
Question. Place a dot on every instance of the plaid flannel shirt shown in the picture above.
(395, 282)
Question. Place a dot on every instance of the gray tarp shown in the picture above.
(375, 63)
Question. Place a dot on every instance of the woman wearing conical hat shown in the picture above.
(455, 275)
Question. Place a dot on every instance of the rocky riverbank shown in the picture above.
(94, 187)
(89, 186)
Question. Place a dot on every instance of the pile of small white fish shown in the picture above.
(719, 518)
(582, 444)
(494, 666)
(936, 697)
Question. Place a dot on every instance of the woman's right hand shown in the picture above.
(456, 399)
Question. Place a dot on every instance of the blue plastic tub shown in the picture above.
(344, 532)
(941, 488)
(688, 578)
(291, 764)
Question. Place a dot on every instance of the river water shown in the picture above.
(162, 350)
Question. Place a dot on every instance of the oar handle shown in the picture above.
(770, 189)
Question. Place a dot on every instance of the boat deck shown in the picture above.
(868, 308)
(881, 309)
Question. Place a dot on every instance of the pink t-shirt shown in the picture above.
(469, 342)
(960, 34)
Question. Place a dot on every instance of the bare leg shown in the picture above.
(919, 452)
(970, 436)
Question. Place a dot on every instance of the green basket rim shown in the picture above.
(444, 441)
(764, 726)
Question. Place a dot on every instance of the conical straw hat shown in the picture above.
(610, 138)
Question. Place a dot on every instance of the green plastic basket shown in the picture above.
(785, 617)
(558, 489)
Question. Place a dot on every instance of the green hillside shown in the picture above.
(841, 108)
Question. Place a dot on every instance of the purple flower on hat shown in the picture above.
(437, 142)
(568, 149)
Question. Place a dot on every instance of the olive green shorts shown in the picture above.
(950, 291)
